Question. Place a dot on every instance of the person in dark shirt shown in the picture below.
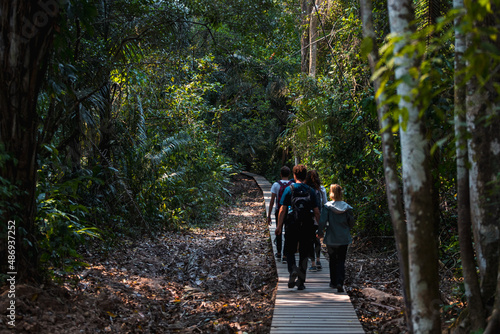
(313, 180)
(300, 229)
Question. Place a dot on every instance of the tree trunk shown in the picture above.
(418, 185)
(394, 200)
(471, 280)
(484, 156)
(26, 35)
(313, 36)
(304, 39)
(494, 320)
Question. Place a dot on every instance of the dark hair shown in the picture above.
(285, 171)
(300, 172)
(312, 179)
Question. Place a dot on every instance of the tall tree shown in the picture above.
(483, 125)
(305, 16)
(313, 36)
(394, 199)
(417, 179)
(27, 30)
(471, 280)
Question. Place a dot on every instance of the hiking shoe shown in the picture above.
(292, 279)
(318, 265)
(301, 275)
(340, 288)
(278, 256)
(313, 268)
(283, 259)
(301, 286)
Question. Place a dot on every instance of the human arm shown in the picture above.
(323, 219)
(281, 218)
(284, 203)
(271, 205)
(316, 214)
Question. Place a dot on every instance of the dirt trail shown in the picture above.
(216, 280)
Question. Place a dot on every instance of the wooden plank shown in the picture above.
(299, 301)
(349, 318)
(327, 323)
(313, 313)
(307, 317)
(318, 321)
(307, 330)
(316, 310)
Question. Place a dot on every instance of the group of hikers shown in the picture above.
(304, 213)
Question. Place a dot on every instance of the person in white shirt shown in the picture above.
(277, 190)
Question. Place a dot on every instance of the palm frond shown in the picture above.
(141, 123)
(91, 105)
(311, 127)
(428, 11)
(168, 147)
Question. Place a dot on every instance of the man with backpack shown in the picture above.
(277, 190)
(298, 209)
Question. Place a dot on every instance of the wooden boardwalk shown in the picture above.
(318, 308)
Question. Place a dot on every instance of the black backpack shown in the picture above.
(302, 205)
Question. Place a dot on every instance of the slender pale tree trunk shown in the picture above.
(390, 167)
(305, 15)
(26, 35)
(313, 36)
(417, 182)
(471, 280)
(483, 125)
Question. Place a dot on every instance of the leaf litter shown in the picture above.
(219, 279)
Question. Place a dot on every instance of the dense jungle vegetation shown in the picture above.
(130, 116)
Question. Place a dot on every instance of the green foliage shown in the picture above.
(133, 146)
(432, 76)
(250, 108)
(428, 12)
(186, 182)
(176, 172)
(334, 127)
(151, 106)
(7, 190)
(431, 73)
(483, 53)
(61, 219)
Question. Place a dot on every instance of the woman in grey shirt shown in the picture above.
(338, 220)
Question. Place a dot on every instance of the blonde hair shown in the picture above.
(336, 192)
